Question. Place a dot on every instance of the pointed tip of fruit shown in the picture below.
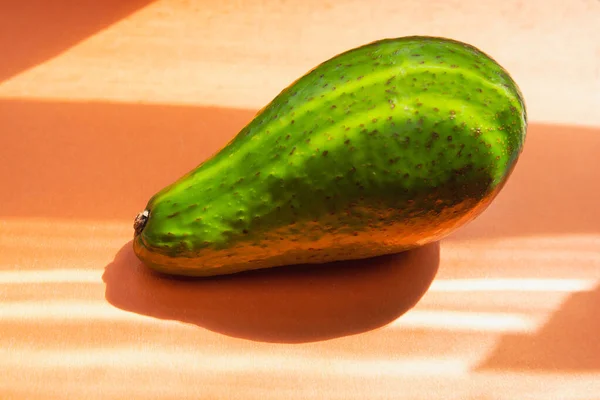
(140, 221)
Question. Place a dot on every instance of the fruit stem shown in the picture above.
(140, 221)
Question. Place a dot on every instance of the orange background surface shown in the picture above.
(102, 103)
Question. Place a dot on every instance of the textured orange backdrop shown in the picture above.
(102, 103)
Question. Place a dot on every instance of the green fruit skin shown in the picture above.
(380, 149)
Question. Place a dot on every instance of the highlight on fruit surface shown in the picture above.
(378, 150)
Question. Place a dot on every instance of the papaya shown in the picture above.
(378, 150)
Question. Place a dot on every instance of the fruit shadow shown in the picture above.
(33, 31)
(290, 304)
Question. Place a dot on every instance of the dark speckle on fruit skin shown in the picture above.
(404, 155)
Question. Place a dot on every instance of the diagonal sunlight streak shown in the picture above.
(17, 276)
(468, 321)
(123, 358)
(246, 63)
(415, 319)
(440, 285)
(513, 285)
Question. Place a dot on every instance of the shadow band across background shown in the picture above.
(104, 161)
